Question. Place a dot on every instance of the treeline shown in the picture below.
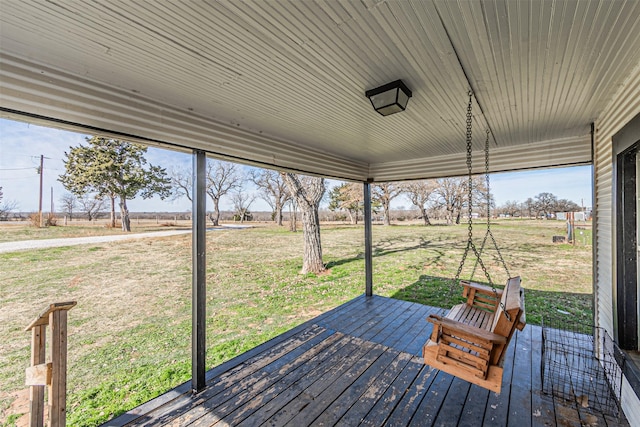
(544, 205)
(443, 199)
(105, 173)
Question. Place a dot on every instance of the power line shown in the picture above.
(17, 169)
(15, 178)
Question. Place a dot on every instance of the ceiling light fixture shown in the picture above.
(390, 98)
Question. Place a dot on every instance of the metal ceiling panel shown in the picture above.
(565, 152)
(281, 83)
(106, 111)
(538, 67)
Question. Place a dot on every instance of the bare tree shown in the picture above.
(273, 190)
(222, 178)
(91, 205)
(450, 193)
(421, 193)
(481, 197)
(307, 192)
(68, 203)
(384, 193)
(6, 207)
(241, 203)
(546, 204)
(510, 208)
(564, 205)
(529, 206)
(181, 183)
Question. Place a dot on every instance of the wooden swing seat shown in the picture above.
(471, 340)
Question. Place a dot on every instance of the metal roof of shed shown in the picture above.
(281, 83)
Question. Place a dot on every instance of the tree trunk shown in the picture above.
(124, 215)
(278, 217)
(351, 221)
(113, 212)
(425, 217)
(387, 220)
(293, 218)
(215, 217)
(307, 197)
(312, 260)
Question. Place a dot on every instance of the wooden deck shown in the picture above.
(360, 364)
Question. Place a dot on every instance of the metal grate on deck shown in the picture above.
(579, 365)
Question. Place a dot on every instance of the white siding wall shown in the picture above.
(625, 106)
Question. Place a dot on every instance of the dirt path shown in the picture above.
(72, 241)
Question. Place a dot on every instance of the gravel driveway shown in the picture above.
(72, 241)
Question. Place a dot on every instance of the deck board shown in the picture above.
(406, 408)
(314, 399)
(356, 411)
(290, 388)
(451, 410)
(360, 364)
(497, 410)
(543, 413)
(520, 413)
(474, 407)
(382, 409)
(432, 401)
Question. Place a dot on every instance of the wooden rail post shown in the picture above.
(53, 373)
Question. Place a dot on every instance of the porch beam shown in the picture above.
(199, 279)
(368, 245)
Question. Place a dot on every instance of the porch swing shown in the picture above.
(470, 342)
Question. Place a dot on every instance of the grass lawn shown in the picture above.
(129, 335)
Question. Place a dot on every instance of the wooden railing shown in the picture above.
(52, 373)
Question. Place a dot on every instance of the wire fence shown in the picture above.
(581, 363)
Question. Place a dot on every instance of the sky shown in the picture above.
(22, 144)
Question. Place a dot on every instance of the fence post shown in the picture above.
(36, 392)
(53, 373)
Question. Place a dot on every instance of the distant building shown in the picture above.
(577, 216)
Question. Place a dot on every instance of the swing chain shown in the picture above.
(486, 177)
(469, 153)
(470, 244)
(470, 225)
(486, 174)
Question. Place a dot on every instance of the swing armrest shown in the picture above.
(453, 328)
(481, 296)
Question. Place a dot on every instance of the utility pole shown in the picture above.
(41, 173)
